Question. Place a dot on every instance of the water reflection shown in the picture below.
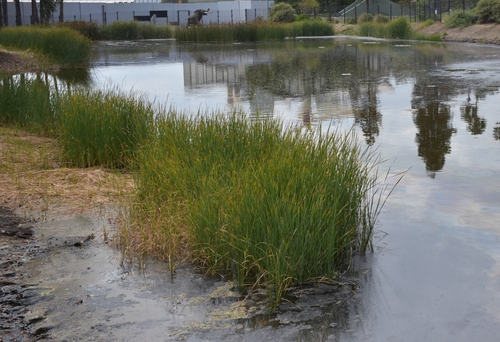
(315, 81)
(496, 131)
(475, 124)
(433, 120)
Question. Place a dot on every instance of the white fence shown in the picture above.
(165, 13)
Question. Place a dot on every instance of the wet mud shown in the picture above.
(61, 281)
(16, 296)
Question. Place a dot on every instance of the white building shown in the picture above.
(173, 13)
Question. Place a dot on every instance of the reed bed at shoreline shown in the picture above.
(266, 204)
(64, 45)
(95, 128)
(394, 29)
(258, 31)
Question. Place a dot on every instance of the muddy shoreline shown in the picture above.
(17, 246)
(60, 285)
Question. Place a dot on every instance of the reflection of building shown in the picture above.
(233, 77)
(196, 74)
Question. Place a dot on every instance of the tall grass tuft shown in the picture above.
(120, 30)
(27, 103)
(62, 44)
(271, 205)
(313, 28)
(131, 30)
(394, 29)
(399, 29)
(103, 127)
(88, 29)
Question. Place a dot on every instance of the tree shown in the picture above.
(35, 19)
(308, 6)
(17, 5)
(61, 11)
(282, 12)
(5, 18)
(47, 8)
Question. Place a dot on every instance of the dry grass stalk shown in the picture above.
(33, 179)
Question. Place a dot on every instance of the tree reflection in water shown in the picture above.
(433, 120)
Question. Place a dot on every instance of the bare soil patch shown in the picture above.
(20, 61)
(484, 33)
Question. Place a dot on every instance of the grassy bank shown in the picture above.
(394, 29)
(62, 45)
(266, 204)
(257, 31)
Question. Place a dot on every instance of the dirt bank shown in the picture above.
(22, 61)
(484, 33)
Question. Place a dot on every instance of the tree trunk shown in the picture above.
(17, 5)
(5, 16)
(61, 11)
(35, 19)
(1, 15)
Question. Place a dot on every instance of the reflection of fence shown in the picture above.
(158, 13)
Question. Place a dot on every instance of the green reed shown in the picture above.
(27, 103)
(259, 31)
(394, 29)
(130, 30)
(102, 127)
(268, 204)
(271, 205)
(105, 127)
(313, 28)
(62, 44)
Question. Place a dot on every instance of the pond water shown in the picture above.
(431, 109)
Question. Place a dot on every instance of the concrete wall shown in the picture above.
(107, 13)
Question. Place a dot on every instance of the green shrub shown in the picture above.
(282, 12)
(460, 19)
(488, 11)
(302, 17)
(381, 19)
(365, 18)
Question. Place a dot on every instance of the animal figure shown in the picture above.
(197, 16)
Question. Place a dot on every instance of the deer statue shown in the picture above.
(197, 16)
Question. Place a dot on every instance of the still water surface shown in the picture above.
(432, 109)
